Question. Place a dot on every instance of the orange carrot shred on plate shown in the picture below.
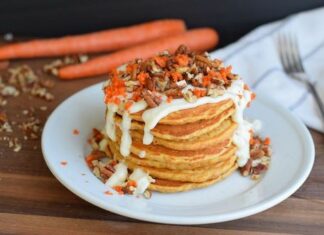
(108, 193)
(132, 183)
(63, 163)
(197, 40)
(118, 189)
(95, 155)
(267, 141)
(102, 41)
(169, 99)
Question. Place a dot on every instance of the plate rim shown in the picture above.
(195, 220)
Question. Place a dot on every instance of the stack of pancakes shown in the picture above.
(192, 148)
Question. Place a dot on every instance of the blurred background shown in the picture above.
(232, 18)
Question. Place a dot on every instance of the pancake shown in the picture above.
(161, 157)
(178, 159)
(186, 108)
(193, 175)
(183, 131)
(216, 136)
(202, 112)
(169, 186)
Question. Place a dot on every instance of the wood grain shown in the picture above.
(32, 201)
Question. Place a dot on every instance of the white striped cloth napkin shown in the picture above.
(255, 57)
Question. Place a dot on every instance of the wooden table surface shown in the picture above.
(32, 201)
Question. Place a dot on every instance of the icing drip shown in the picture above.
(126, 139)
(110, 121)
(142, 180)
(119, 176)
(236, 92)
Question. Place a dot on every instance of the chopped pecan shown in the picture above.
(147, 194)
(246, 169)
(4, 65)
(203, 60)
(150, 99)
(107, 171)
(267, 150)
(161, 83)
(256, 153)
(97, 135)
(150, 84)
(182, 49)
(189, 96)
(259, 169)
(173, 85)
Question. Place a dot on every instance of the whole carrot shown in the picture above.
(196, 39)
(107, 40)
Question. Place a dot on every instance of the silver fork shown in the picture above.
(293, 66)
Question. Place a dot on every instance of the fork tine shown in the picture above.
(290, 53)
(283, 54)
(296, 54)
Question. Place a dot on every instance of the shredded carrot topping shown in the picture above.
(63, 163)
(161, 60)
(215, 74)
(116, 88)
(199, 92)
(182, 60)
(225, 72)
(176, 76)
(253, 95)
(206, 80)
(141, 77)
(169, 99)
(131, 67)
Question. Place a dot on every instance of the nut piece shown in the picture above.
(189, 96)
(147, 194)
(150, 99)
(246, 169)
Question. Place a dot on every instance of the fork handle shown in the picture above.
(317, 98)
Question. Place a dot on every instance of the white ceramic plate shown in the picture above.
(233, 198)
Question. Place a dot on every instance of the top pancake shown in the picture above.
(183, 131)
(202, 112)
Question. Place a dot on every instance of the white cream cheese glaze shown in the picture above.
(142, 180)
(126, 139)
(236, 92)
(119, 176)
(110, 121)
